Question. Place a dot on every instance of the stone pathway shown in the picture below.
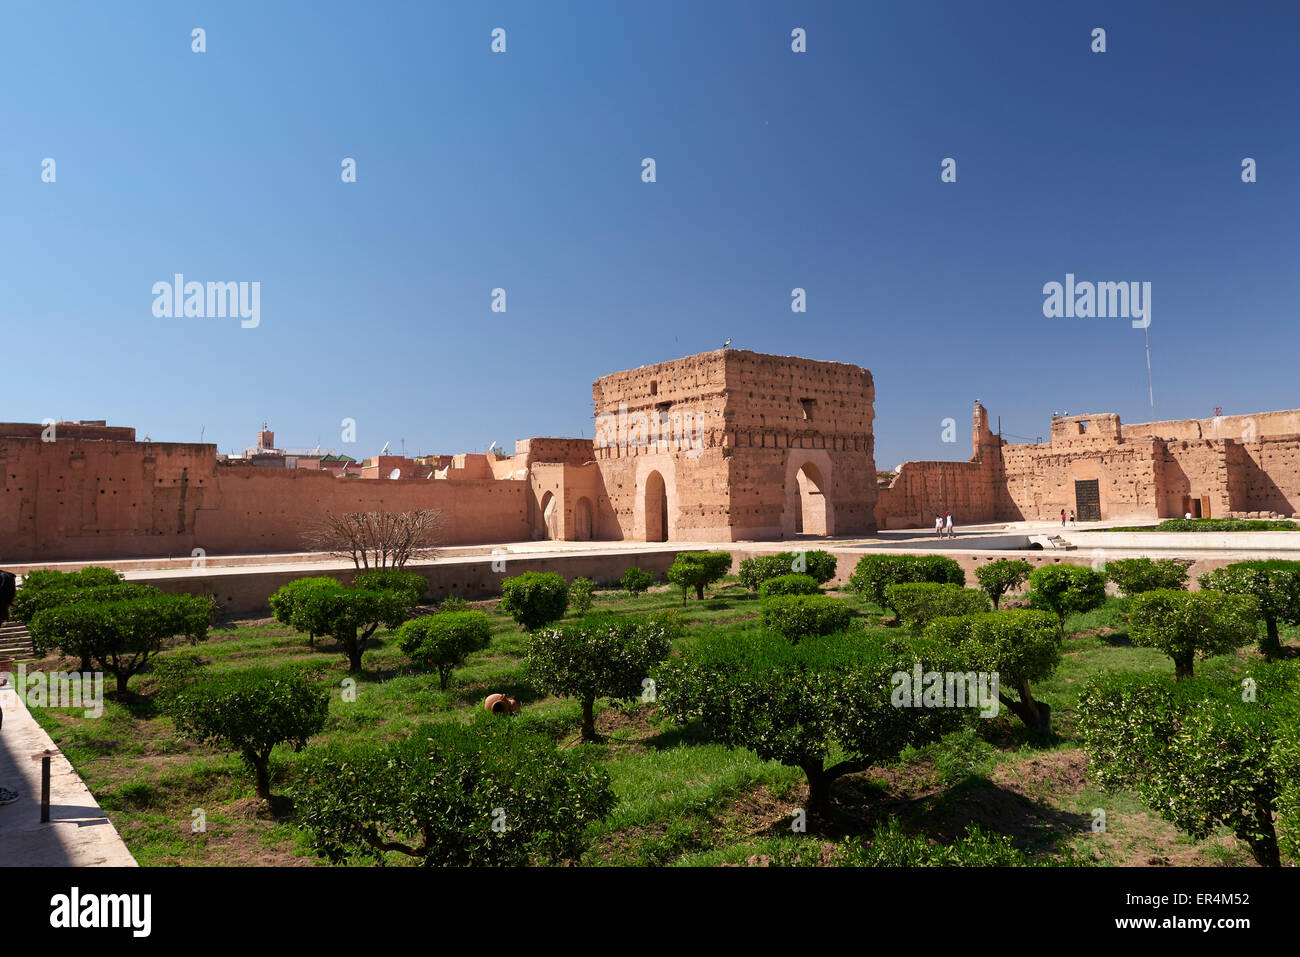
(79, 833)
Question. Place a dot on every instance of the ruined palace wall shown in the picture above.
(1246, 428)
(75, 499)
(785, 413)
(1040, 479)
(1195, 468)
(665, 418)
(974, 491)
(567, 451)
(266, 510)
(922, 490)
(1264, 476)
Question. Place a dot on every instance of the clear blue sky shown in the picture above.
(523, 171)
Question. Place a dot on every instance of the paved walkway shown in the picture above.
(79, 833)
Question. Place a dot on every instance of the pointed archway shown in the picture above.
(550, 516)
(655, 508)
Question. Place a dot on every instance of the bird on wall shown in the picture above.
(727, 344)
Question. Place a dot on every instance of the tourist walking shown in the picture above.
(938, 525)
(948, 523)
(1063, 518)
(1072, 516)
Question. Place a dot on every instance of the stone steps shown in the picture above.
(15, 642)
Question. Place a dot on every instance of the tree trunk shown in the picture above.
(996, 598)
(353, 649)
(819, 789)
(1270, 644)
(1264, 848)
(122, 679)
(262, 775)
(589, 718)
(442, 676)
(1182, 667)
(1036, 715)
(85, 664)
(699, 592)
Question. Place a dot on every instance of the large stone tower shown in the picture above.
(733, 445)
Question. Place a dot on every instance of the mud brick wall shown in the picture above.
(75, 498)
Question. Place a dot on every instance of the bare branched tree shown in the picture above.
(377, 539)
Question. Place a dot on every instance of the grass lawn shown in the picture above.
(682, 800)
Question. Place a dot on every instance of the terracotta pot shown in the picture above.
(500, 704)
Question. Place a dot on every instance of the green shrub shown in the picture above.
(919, 603)
(1198, 752)
(635, 580)
(795, 617)
(818, 564)
(45, 588)
(800, 703)
(1065, 590)
(1186, 624)
(1133, 576)
(173, 674)
(287, 601)
(603, 655)
(875, 573)
(393, 579)
(760, 568)
(1286, 758)
(34, 603)
(350, 615)
(534, 599)
(491, 793)
(1275, 584)
(251, 711)
(1001, 576)
(789, 585)
(453, 603)
(698, 569)
(581, 595)
(122, 636)
(1225, 525)
(443, 641)
(1017, 645)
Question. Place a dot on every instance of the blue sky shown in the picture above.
(522, 171)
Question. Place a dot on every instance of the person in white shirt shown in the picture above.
(948, 522)
(938, 525)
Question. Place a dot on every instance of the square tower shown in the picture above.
(733, 445)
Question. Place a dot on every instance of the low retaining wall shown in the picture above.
(244, 591)
(1187, 541)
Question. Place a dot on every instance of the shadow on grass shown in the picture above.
(861, 804)
(137, 705)
(675, 736)
(475, 692)
(1116, 639)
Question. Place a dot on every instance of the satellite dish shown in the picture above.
(395, 474)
